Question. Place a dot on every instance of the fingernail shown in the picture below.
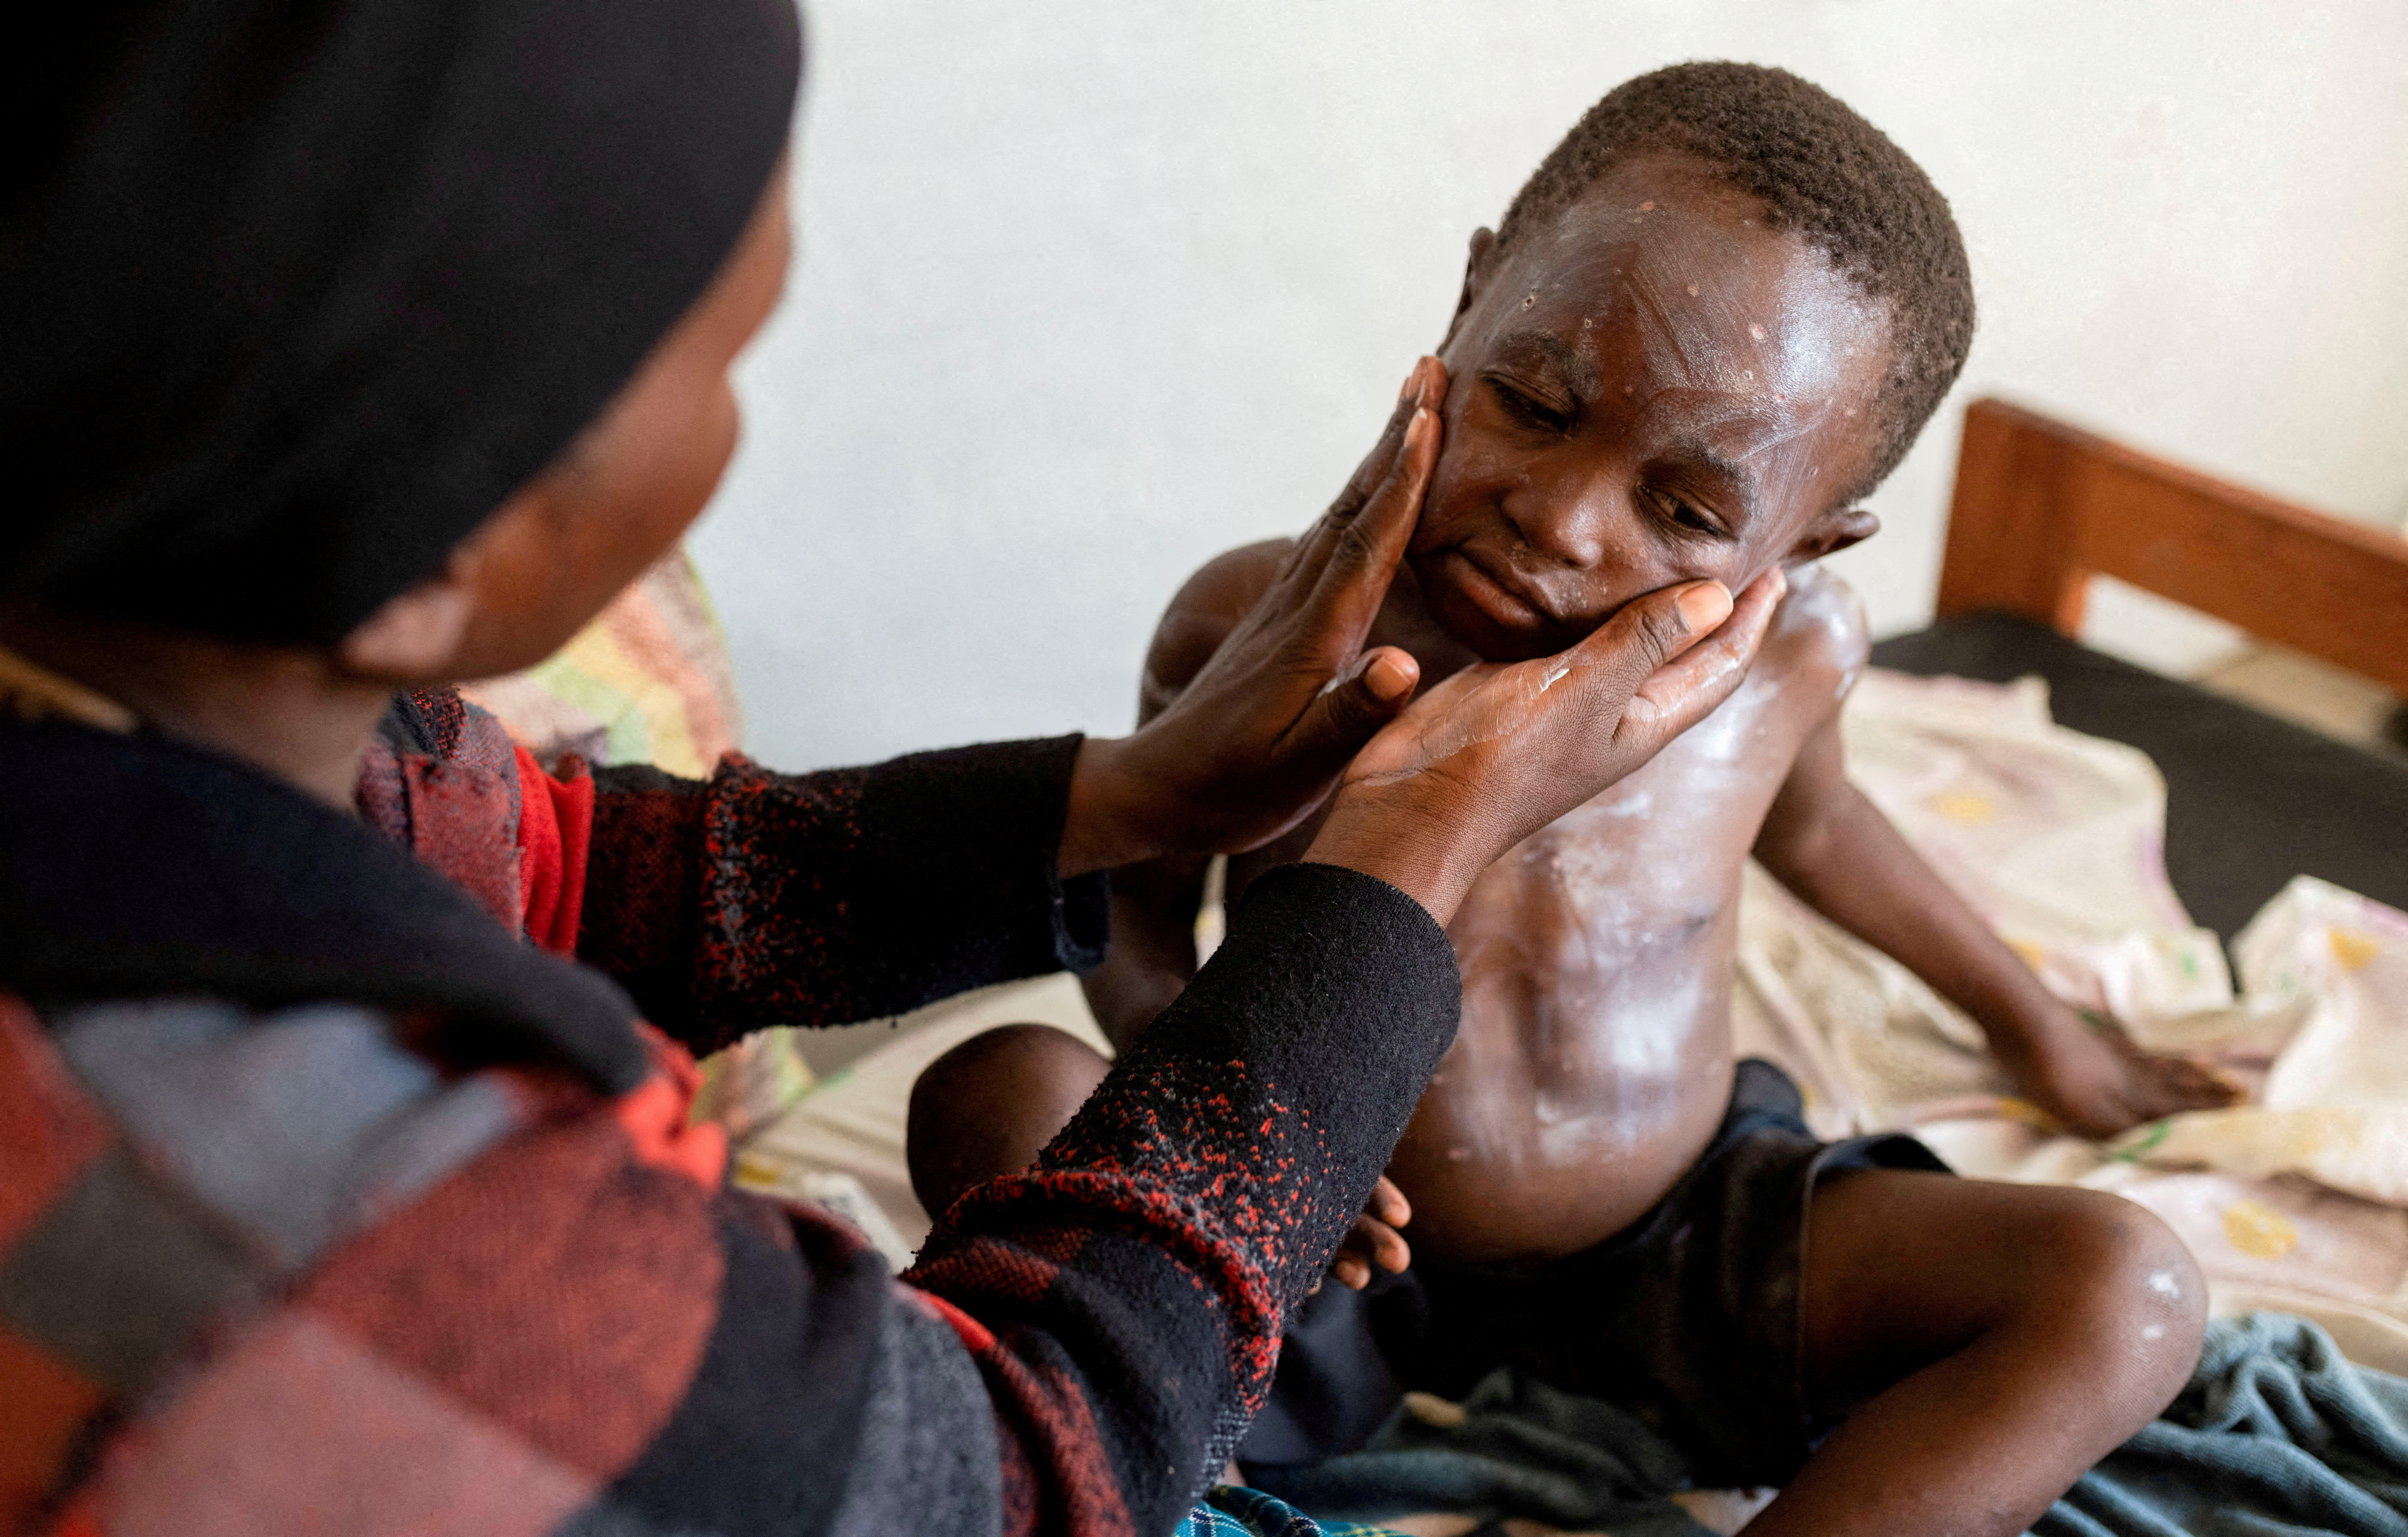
(1412, 388)
(1387, 678)
(1421, 382)
(1703, 605)
(1419, 427)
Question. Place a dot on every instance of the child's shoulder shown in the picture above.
(1820, 627)
(1228, 586)
(1207, 606)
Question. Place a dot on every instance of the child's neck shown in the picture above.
(288, 710)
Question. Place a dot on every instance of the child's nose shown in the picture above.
(1577, 526)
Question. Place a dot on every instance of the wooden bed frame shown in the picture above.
(2040, 508)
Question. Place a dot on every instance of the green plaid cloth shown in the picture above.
(1231, 1512)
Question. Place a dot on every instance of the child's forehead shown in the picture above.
(1665, 305)
(1665, 278)
(1667, 232)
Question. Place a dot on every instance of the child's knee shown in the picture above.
(987, 1107)
(2126, 1297)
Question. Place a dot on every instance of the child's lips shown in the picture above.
(1508, 607)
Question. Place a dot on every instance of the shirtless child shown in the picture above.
(1715, 318)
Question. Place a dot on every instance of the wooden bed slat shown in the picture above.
(2040, 508)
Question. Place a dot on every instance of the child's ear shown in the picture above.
(414, 637)
(1475, 275)
(1833, 533)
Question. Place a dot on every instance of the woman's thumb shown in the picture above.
(1356, 704)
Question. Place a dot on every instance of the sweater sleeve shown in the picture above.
(1081, 1347)
(1124, 1300)
(755, 899)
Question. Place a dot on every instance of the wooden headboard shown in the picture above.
(2042, 508)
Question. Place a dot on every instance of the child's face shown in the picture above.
(1657, 389)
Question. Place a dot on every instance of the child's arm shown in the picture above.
(1152, 954)
(1833, 847)
(1154, 905)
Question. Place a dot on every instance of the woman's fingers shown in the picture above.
(1494, 753)
(1381, 502)
(1707, 670)
(1301, 570)
(1376, 465)
(1664, 662)
(1614, 662)
(1254, 738)
(1353, 709)
(1328, 619)
(1354, 580)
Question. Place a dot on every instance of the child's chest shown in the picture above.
(1594, 1056)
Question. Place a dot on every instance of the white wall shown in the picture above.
(1089, 292)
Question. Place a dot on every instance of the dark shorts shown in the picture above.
(1687, 1318)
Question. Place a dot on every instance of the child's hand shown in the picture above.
(1374, 1239)
(2088, 1074)
(1255, 742)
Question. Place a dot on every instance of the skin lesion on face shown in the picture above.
(1657, 388)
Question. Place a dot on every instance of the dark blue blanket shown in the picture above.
(2277, 1435)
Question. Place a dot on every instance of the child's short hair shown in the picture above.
(1821, 170)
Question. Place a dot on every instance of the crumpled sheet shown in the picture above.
(2277, 1433)
(2293, 1200)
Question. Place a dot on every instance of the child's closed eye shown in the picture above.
(1683, 513)
(1529, 409)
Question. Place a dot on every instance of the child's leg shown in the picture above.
(989, 1106)
(1997, 1340)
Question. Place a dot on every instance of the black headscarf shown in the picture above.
(294, 292)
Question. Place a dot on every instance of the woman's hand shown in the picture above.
(1499, 750)
(1256, 741)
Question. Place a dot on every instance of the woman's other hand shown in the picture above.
(1254, 743)
(1499, 750)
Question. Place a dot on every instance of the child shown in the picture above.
(1715, 318)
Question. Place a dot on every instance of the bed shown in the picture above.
(2040, 508)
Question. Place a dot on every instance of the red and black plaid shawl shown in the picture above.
(327, 1203)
